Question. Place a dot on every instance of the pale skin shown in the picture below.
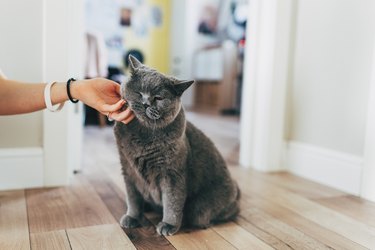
(99, 93)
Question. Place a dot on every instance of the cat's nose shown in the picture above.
(146, 104)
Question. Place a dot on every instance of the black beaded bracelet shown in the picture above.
(68, 90)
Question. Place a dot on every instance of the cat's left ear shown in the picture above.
(181, 86)
(134, 63)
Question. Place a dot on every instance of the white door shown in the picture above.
(181, 47)
(64, 40)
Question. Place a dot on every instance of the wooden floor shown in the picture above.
(279, 210)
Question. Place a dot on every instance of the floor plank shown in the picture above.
(199, 239)
(239, 237)
(327, 237)
(268, 238)
(291, 236)
(78, 205)
(53, 240)
(352, 229)
(301, 186)
(99, 237)
(14, 231)
(355, 207)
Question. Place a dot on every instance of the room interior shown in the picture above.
(285, 90)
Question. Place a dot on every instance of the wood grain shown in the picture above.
(99, 237)
(239, 237)
(328, 218)
(268, 238)
(355, 207)
(327, 237)
(199, 239)
(291, 236)
(78, 205)
(54, 240)
(14, 231)
(298, 185)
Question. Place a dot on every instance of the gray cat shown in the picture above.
(166, 161)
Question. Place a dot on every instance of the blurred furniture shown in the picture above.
(96, 65)
(215, 69)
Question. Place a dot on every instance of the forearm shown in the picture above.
(17, 97)
(99, 93)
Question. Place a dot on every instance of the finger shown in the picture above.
(114, 107)
(129, 119)
(118, 88)
(120, 116)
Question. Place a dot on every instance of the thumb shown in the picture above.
(118, 88)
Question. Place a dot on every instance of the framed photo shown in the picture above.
(126, 15)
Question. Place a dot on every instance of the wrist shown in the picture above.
(73, 89)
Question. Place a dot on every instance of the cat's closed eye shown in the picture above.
(158, 98)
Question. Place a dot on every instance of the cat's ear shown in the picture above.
(134, 63)
(181, 86)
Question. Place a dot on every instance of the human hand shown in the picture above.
(103, 95)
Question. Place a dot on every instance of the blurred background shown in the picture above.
(283, 85)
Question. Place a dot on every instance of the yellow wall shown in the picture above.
(155, 45)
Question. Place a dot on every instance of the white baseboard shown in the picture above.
(21, 168)
(329, 167)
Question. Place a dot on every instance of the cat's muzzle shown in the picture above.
(152, 113)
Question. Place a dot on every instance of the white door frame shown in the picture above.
(266, 73)
(368, 171)
(63, 55)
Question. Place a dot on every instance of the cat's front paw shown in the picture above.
(129, 222)
(166, 229)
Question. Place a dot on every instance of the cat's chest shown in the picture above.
(151, 156)
(152, 159)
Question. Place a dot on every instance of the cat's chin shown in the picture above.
(151, 123)
(154, 123)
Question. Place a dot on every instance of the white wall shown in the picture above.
(329, 94)
(332, 71)
(41, 41)
(21, 59)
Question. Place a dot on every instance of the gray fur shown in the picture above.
(166, 161)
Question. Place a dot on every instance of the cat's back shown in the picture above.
(203, 149)
(196, 137)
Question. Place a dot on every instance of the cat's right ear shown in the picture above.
(134, 64)
(181, 86)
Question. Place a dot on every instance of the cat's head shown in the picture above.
(153, 97)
